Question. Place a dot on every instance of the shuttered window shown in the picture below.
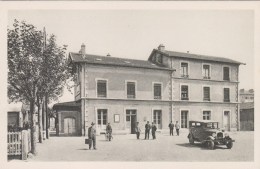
(226, 95)
(102, 88)
(130, 90)
(226, 73)
(157, 91)
(206, 95)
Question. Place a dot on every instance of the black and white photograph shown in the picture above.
(145, 82)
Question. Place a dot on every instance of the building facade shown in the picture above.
(246, 95)
(169, 86)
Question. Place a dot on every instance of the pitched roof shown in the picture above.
(197, 56)
(114, 61)
(66, 104)
(247, 105)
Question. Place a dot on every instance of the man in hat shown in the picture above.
(92, 135)
(154, 128)
(171, 126)
(147, 130)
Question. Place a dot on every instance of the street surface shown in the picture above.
(128, 148)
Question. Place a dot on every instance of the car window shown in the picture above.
(198, 124)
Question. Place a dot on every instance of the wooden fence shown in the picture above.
(19, 143)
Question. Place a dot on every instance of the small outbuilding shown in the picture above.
(247, 116)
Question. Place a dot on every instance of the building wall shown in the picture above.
(69, 114)
(247, 119)
(144, 112)
(195, 112)
(116, 81)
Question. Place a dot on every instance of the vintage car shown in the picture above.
(208, 133)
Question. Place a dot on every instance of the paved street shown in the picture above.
(128, 148)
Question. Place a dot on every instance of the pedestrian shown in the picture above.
(154, 128)
(137, 130)
(92, 136)
(171, 126)
(177, 126)
(147, 130)
(109, 131)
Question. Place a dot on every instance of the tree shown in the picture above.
(36, 69)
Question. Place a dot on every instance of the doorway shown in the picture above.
(184, 119)
(69, 126)
(226, 120)
(101, 119)
(131, 120)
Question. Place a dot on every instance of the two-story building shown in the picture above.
(169, 86)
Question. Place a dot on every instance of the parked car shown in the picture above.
(208, 133)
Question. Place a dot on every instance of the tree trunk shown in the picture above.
(33, 129)
(47, 117)
(44, 119)
(40, 121)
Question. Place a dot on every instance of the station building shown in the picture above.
(169, 86)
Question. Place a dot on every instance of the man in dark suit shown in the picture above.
(154, 128)
(171, 126)
(147, 130)
(92, 136)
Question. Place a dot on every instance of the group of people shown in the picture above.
(148, 127)
(153, 127)
(92, 134)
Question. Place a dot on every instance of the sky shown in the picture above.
(135, 33)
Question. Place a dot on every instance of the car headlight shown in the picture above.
(213, 134)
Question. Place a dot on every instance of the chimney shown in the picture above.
(161, 47)
(108, 55)
(83, 49)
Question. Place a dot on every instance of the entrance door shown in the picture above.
(69, 126)
(101, 119)
(226, 120)
(131, 121)
(184, 119)
(157, 118)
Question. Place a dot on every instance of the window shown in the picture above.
(226, 95)
(206, 72)
(184, 70)
(206, 93)
(101, 118)
(157, 91)
(157, 118)
(184, 119)
(102, 88)
(159, 59)
(130, 90)
(226, 73)
(184, 92)
(206, 115)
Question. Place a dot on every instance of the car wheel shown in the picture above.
(229, 145)
(210, 144)
(191, 140)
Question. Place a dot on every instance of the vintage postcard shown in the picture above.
(135, 84)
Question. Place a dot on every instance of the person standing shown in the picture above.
(109, 131)
(92, 136)
(147, 130)
(137, 130)
(154, 128)
(177, 126)
(171, 126)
